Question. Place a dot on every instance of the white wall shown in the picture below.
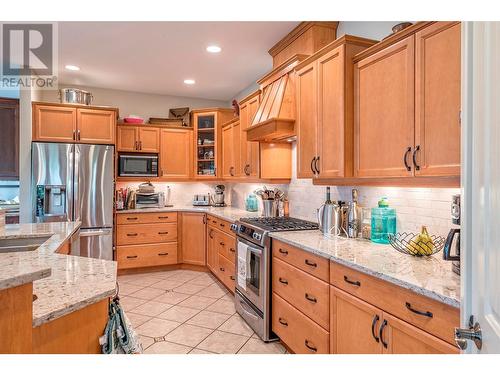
(140, 104)
(377, 30)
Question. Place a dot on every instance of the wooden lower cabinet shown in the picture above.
(301, 334)
(226, 272)
(146, 255)
(146, 233)
(221, 251)
(193, 238)
(212, 252)
(358, 327)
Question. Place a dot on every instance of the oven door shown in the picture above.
(254, 283)
(138, 165)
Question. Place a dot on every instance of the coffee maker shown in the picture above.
(448, 246)
(217, 200)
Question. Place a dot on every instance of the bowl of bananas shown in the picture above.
(418, 245)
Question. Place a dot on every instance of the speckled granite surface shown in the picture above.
(431, 277)
(226, 213)
(62, 283)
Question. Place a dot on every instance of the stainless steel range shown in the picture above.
(253, 268)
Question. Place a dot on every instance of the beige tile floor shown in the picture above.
(184, 311)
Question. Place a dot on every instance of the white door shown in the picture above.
(481, 182)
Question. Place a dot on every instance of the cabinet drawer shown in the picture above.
(296, 330)
(146, 255)
(307, 262)
(143, 218)
(305, 292)
(226, 272)
(220, 224)
(226, 245)
(398, 301)
(145, 233)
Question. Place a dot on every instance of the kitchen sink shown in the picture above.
(10, 245)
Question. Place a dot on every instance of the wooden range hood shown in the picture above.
(274, 120)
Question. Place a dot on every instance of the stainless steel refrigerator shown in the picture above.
(75, 182)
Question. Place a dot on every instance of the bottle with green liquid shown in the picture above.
(383, 222)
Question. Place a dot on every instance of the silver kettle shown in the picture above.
(329, 217)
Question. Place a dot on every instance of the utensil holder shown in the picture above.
(270, 208)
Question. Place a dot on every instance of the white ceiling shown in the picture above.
(155, 57)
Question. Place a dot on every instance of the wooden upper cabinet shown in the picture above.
(354, 325)
(193, 238)
(250, 151)
(9, 141)
(53, 123)
(149, 139)
(227, 151)
(306, 120)
(96, 126)
(384, 111)
(437, 100)
(237, 170)
(126, 138)
(399, 337)
(176, 153)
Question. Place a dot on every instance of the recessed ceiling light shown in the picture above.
(189, 81)
(214, 49)
(72, 67)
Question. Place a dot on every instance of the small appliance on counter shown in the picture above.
(383, 222)
(147, 197)
(329, 217)
(447, 251)
(352, 223)
(201, 200)
(217, 200)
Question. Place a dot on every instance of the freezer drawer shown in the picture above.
(96, 243)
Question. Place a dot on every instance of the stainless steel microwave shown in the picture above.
(138, 165)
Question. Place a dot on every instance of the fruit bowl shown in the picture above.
(413, 244)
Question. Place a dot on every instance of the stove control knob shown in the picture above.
(257, 236)
(234, 227)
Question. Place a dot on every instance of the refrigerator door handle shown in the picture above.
(70, 173)
(76, 178)
(97, 232)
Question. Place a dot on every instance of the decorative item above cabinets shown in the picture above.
(324, 121)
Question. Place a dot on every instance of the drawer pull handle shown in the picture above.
(214, 222)
(162, 217)
(283, 251)
(222, 225)
(283, 322)
(310, 347)
(374, 323)
(381, 332)
(131, 256)
(222, 269)
(162, 232)
(232, 250)
(283, 281)
(222, 244)
(131, 218)
(309, 263)
(232, 278)
(424, 313)
(357, 283)
(310, 298)
(131, 234)
(162, 254)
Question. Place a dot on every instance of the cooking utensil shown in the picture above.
(75, 96)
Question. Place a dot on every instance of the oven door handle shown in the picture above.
(247, 309)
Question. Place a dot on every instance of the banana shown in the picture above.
(422, 244)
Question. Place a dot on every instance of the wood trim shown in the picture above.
(249, 96)
(272, 130)
(147, 125)
(298, 31)
(214, 109)
(179, 266)
(282, 69)
(82, 106)
(448, 182)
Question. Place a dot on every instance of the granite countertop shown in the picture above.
(431, 276)
(226, 213)
(62, 283)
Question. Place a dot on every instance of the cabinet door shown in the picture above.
(249, 150)
(237, 169)
(399, 337)
(54, 124)
(332, 134)
(212, 253)
(207, 132)
(384, 112)
(176, 154)
(354, 325)
(9, 142)
(437, 100)
(193, 238)
(227, 151)
(307, 112)
(96, 126)
(127, 138)
(149, 139)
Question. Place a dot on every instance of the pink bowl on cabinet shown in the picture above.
(133, 120)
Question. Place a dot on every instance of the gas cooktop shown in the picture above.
(279, 224)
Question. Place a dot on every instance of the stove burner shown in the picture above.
(277, 224)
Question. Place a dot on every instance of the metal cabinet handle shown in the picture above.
(316, 165)
(232, 250)
(311, 298)
(312, 163)
(309, 263)
(78, 135)
(357, 283)
(131, 234)
(162, 217)
(74, 135)
(140, 145)
(131, 256)
(247, 169)
(204, 219)
(210, 234)
(162, 232)
(308, 345)
(222, 244)
(222, 269)
(283, 281)
(231, 171)
(136, 145)
(282, 321)
(232, 278)
(214, 222)
(374, 323)
(283, 251)
(417, 167)
(381, 332)
(132, 218)
(405, 158)
(162, 254)
(423, 313)
(222, 225)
